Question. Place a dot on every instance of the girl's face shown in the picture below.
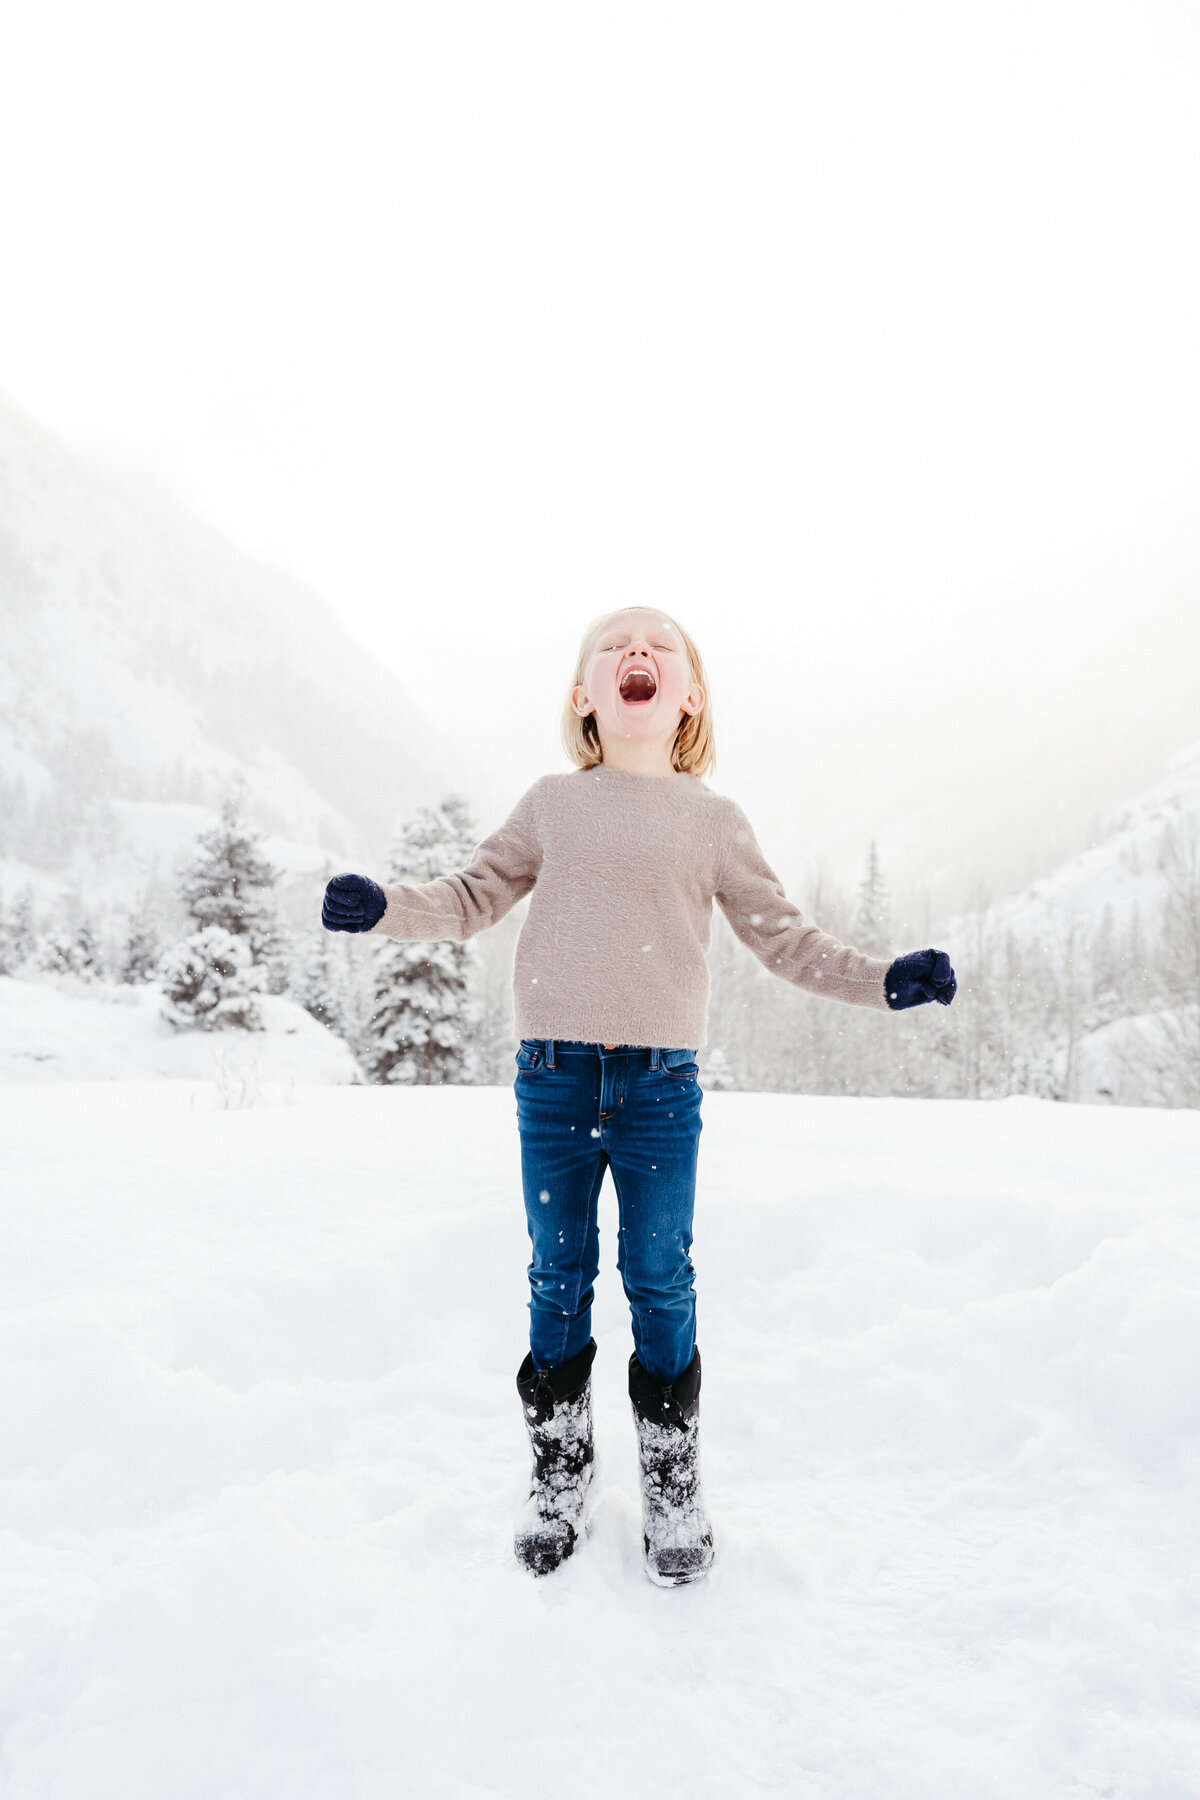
(637, 679)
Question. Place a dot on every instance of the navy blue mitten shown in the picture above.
(920, 976)
(353, 903)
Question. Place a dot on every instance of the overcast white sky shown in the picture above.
(862, 337)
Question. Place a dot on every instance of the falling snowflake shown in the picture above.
(544, 1195)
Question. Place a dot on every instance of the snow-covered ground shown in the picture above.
(61, 1028)
(261, 1450)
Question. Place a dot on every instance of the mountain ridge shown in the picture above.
(148, 658)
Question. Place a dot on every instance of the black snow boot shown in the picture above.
(676, 1534)
(558, 1418)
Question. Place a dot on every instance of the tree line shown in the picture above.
(1099, 1010)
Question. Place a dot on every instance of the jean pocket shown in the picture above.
(529, 1057)
(680, 1064)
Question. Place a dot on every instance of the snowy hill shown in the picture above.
(1121, 872)
(1084, 985)
(1004, 782)
(261, 1450)
(58, 1028)
(147, 662)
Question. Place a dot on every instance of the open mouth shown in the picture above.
(637, 686)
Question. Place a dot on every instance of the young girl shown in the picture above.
(624, 857)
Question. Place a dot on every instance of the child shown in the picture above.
(624, 856)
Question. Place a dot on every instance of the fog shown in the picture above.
(861, 340)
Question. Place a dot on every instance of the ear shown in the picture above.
(693, 701)
(580, 702)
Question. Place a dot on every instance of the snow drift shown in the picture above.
(261, 1453)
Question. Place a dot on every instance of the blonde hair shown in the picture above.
(692, 753)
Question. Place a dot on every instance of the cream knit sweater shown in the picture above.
(624, 870)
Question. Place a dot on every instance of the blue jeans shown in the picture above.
(582, 1108)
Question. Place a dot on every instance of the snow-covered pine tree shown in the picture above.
(137, 961)
(319, 984)
(872, 910)
(89, 959)
(210, 983)
(212, 980)
(423, 1015)
(10, 959)
(227, 883)
(20, 933)
(62, 952)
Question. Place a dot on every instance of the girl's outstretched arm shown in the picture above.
(751, 896)
(503, 869)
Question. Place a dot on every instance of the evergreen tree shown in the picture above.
(89, 960)
(423, 1013)
(227, 881)
(227, 884)
(872, 921)
(319, 985)
(10, 961)
(78, 953)
(139, 954)
(20, 933)
(210, 983)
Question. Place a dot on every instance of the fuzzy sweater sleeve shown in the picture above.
(751, 896)
(501, 872)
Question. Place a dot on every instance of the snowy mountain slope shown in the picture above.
(135, 870)
(260, 1452)
(1119, 873)
(146, 659)
(132, 860)
(1084, 985)
(1004, 782)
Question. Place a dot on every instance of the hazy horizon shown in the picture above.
(862, 344)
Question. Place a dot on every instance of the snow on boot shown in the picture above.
(558, 1418)
(676, 1535)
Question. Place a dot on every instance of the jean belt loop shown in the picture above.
(654, 1056)
(549, 1053)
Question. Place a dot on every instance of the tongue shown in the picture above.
(638, 684)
